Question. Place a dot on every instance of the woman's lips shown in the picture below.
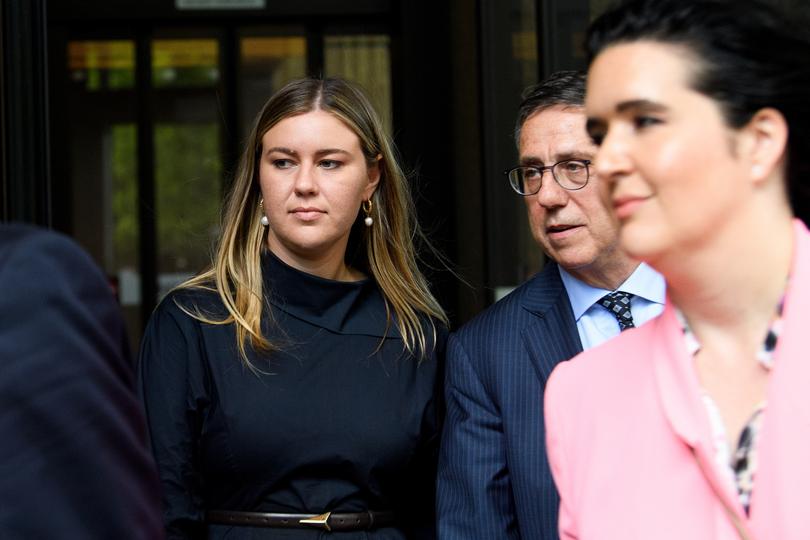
(307, 214)
(626, 206)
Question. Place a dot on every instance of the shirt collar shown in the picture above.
(644, 282)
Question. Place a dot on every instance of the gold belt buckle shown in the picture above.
(321, 521)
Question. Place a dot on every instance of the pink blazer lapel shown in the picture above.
(778, 506)
(783, 473)
(790, 381)
(683, 406)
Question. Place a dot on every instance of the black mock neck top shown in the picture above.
(341, 419)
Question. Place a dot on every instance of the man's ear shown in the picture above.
(766, 137)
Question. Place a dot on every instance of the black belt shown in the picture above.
(328, 521)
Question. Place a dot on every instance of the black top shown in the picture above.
(340, 420)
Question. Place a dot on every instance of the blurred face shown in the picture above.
(313, 177)
(673, 166)
(575, 228)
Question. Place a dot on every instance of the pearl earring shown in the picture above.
(264, 221)
(367, 206)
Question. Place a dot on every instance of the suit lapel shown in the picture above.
(553, 337)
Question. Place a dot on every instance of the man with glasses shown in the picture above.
(494, 480)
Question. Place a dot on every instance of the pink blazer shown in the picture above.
(629, 440)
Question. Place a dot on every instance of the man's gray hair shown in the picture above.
(565, 88)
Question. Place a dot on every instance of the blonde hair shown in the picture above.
(389, 255)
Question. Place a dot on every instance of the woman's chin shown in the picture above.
(640, 243)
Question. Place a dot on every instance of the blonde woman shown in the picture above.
(291, 389)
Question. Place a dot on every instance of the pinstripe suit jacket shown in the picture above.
(494, 479)
(74, 460)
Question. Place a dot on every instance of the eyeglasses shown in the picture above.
(570, 174)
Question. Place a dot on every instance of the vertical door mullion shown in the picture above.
(146, 171)
(229, 59)
(315, 54)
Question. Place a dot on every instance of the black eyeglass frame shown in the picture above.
(542, 170)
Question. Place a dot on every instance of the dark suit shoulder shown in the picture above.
(74, 430)
(39, 250)
(46, 276)
(517, 309)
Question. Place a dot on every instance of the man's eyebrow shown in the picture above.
(528, 161)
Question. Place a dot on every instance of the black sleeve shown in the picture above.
(174, 390)
(73, 455)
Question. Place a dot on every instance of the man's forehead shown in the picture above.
(555, 122)
(556, 134)
(553, 110)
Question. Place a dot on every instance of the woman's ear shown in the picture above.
(373, 177)
(767, 136)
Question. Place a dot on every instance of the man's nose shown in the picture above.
(551, 194)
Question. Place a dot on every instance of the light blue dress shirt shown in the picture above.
(594, 323)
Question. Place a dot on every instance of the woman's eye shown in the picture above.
(282, 163)
(642, 122)
(597, 135)
(329, 164)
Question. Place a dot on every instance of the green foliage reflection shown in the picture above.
(187, 181)
(124, 196)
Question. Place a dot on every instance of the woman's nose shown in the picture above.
(611, 161)
(305, 179)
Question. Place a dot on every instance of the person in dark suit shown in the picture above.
(74, 460)
(494, 480)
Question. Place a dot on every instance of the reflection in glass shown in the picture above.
(101, 144)
(524, 62)
(187, 197)
(597, 7)
(124, 202)
(185, 62)
(102, 65)
(524, 43)
(265, 65)
(364, 59)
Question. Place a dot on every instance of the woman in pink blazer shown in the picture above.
(697, 425)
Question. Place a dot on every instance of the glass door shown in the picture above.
(187, 132)
(102, 169)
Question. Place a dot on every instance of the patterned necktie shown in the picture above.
(618, 304)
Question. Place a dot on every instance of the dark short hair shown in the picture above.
(746, 55)
(566, 88)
